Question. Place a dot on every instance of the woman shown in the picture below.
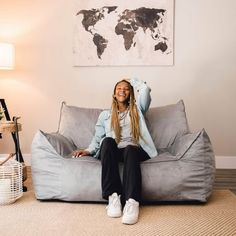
(121, 135)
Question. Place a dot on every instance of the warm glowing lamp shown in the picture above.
(7, 56)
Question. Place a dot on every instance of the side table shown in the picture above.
(13, 127)
(14, 135)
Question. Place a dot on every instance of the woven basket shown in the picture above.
(11, 187)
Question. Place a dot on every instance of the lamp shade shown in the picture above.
(7, 56)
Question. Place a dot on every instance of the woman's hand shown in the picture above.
(80, 153)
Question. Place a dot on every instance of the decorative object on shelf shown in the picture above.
(1, 113)
(11, 187)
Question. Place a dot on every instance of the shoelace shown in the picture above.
(128, 207)
(114, 201)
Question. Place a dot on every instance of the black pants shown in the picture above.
(131, 156)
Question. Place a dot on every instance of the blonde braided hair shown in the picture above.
(133, 112)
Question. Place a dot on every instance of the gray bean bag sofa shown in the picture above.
(183, 171)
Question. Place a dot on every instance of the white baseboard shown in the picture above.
(222, 162)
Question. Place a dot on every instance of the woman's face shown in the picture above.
(122, 92)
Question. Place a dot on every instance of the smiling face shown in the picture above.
(122, 92)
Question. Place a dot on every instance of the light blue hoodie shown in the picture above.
(103, 125)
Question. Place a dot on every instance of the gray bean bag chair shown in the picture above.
(183, 170)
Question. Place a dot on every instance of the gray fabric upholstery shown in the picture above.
(77, 124)
(60, 143)
(58, 177)
(184, 169)
(167, 123)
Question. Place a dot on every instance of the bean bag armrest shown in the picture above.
(58, 142)
(197, 143)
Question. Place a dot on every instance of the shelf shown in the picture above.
(9, 126)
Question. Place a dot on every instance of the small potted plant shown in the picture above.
(1, 113)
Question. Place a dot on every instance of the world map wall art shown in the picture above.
(123, 33)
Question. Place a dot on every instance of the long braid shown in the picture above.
(115, 123)
(134, 117)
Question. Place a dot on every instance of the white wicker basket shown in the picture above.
(11, 186)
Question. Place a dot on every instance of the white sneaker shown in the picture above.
(130, 212)
(114, 206)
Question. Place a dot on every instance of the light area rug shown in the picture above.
(30, 217)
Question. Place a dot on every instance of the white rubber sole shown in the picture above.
(114, 214)
(128, 221)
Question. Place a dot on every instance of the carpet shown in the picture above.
(30, 217)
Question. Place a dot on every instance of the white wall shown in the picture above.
(203, 74)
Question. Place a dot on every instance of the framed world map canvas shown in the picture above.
(121, 32)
